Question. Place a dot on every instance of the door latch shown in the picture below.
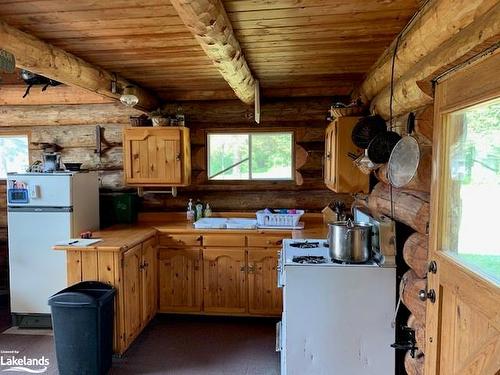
(432, 268)
(424, 295)
(410, 343)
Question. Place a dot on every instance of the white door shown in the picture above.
(36, 271)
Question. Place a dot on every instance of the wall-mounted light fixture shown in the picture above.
(129, 96)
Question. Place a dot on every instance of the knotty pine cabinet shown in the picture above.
(264, 297)
(219, 274)
(157, 156)
(180, 279)
(133, 273)
(340, 173)
(224, 280)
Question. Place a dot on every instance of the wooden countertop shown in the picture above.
(116, 238)
(123, 237)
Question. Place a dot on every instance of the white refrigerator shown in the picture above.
(44, 208)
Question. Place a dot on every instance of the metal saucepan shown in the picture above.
(350, 241)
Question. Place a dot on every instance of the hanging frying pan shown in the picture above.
(380, 148)
(409, 165)
(366, 129)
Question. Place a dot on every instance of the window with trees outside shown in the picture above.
(250, 156)
(14, 153)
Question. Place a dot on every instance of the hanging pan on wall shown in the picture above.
(380, 148)
(366, 129)
(409, 165)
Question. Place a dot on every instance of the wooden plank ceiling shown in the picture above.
(294, 47)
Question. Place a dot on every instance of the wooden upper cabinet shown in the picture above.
(157, 156)
(264, 296)
(340, 173)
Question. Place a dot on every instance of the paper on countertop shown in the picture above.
(79, 242)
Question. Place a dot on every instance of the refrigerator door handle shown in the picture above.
(278, 336)
(38, 209)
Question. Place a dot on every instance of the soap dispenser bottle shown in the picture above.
(208, 211)
(190, 211)
(199, 210)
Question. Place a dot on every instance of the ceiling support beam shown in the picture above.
(52, 62)
(435, 23)
(208, 22)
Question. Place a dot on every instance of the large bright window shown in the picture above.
(250, 156)
(473, 186)
(14, 153)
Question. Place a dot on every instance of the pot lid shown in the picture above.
(350, 224)
(403, 162)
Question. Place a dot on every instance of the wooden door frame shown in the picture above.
(470, 86)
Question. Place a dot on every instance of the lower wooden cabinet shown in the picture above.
(149, 287)
(264, 297)
(134, 275)
(224, 280)
(180, 280)
(132, 293)
(220, 279)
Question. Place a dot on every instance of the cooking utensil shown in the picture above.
(364, 163)
(73, 166)
(380, 148)
(366, 129)
(406, 157)
(350, 241)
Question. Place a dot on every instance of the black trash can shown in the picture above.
(82, 319)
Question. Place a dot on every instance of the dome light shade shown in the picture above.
(129, 97)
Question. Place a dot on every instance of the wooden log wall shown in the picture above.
(410, 206)
(72, 126)
(305, 117)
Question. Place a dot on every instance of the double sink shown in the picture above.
(225, 223)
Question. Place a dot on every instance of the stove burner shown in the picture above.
(305, 245)
(309, 259)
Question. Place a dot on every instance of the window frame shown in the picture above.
(9, 132)
(253, 181)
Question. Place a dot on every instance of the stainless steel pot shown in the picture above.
(350, 241)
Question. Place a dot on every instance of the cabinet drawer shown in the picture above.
(176, 240)
(224, 240)
(265, 241)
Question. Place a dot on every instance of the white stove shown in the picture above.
(337, 317)
(314, 252)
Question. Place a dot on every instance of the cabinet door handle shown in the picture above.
(178, 157)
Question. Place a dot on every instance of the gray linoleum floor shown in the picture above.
(182, 346)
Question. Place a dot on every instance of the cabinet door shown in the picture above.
(132, 292)
(180, 277)
(328, 156)
(333, 151)
(152, 156)
(224, 280)
(264, 296)
(149, 280)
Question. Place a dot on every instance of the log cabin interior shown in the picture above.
(293, 187)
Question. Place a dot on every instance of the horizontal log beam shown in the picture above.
(436, 22)
(412, 90)
(208, 22)
(410, 207)
(63, 94)
(415, 253)
(52, 62)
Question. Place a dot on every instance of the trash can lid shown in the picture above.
(86, 293)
